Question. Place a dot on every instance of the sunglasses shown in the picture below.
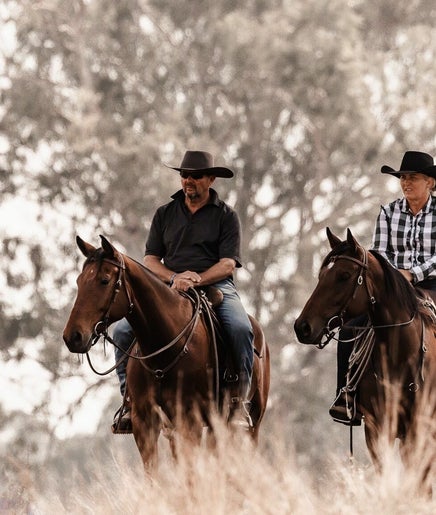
(193, 175)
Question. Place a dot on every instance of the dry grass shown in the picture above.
(238, 479)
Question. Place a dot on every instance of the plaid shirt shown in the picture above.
(407, 241)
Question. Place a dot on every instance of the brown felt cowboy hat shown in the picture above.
(201, 162)
(413, 162)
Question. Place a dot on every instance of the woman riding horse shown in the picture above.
(405, 235)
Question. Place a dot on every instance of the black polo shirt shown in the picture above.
(186, 241)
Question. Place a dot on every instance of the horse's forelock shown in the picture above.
(96, 257)
(340, 249)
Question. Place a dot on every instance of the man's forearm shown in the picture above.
(221, 270)
(154, 264)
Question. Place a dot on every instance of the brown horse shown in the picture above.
(402, 362)
(171, 381)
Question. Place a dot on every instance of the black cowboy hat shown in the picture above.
(201, 162)
(413, 162)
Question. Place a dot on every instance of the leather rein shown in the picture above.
(337, 321)
(102, 327)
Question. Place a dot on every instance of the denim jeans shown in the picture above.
(123, 336)
(239, 333)
(235, 323)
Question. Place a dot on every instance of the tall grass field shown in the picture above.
(233, 478)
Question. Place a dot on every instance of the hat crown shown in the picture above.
(413, 162)
(416, 161)
(196, 160)
(202, 162)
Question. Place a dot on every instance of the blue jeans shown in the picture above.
(235, 323)
(123, 336)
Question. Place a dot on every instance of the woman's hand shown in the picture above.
(407, 274)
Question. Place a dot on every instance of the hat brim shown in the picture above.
(217, 171)
(430, 172)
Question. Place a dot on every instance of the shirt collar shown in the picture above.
(426, 209)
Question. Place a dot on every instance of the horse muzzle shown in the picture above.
(77, 342)
(306, 333)
(320, 336)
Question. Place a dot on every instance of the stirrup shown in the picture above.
(239, 415)
(122, 424)
(344, 409)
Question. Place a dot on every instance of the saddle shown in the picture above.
(214, 295)
(427, 299)
(227, 373)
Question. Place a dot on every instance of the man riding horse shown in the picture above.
(194, 241)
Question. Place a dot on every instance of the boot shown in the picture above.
(239, 414)
(344, 409)
(239, 409)
(122, 423)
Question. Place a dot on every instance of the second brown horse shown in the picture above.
(397, 385)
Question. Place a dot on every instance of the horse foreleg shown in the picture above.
(257, 411)
(418, 455)
(371, 439)
(146, 430)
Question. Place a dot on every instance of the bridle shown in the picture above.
(119, 283)
(101, 328)
(336, 322)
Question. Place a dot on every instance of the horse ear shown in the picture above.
(107, 247)
(333, 240)
(86, 248)
(352, 240)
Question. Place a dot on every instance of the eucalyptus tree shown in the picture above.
(303, 99)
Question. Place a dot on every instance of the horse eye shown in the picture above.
(344, 276)
(105, 280)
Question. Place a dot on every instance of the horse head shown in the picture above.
(338, 295)
(102, 295)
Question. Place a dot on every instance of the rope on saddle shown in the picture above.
(359, 358)
(212, 328)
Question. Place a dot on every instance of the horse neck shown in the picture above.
(383, 310)
(158, 311)
(401, 339)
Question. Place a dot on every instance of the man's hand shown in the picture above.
(186, 280)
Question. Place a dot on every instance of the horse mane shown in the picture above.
(397, 285)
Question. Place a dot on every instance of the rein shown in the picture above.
(117, 288)
(329, 331)
(189, 328)
(364, 341)
(101, 329)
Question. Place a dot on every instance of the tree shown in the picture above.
(304, 100)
